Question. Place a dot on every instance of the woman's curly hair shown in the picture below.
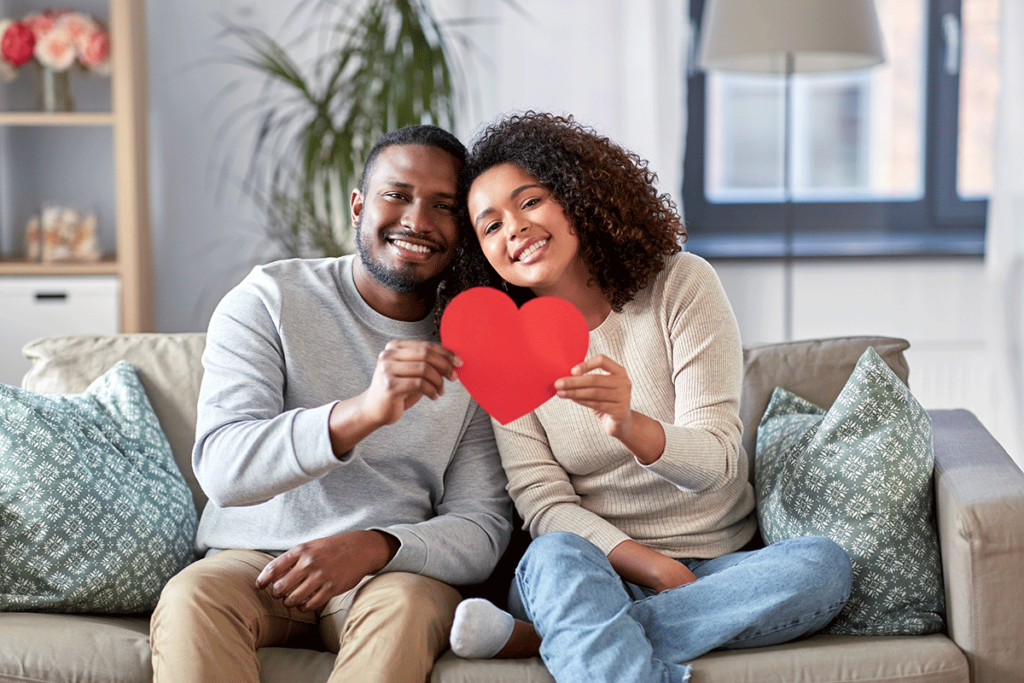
(625, 228)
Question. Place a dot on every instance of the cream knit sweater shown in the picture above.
(679, 342)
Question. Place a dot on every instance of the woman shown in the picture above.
(633, 482)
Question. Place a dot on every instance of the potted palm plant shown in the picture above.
(385, 64)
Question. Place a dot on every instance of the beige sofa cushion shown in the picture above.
(66, 648)
(169, 366)
(820, 659)
(71, 648)
(813, 369)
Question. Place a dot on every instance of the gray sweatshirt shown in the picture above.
(283, 347)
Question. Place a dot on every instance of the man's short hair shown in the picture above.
(426, 135)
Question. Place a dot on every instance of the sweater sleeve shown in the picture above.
(248, 449)
(703, 450)
(541, 488)
(464, 542)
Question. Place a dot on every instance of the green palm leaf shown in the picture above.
(387, 66)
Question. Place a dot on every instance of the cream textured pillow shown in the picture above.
(816, 369)
(168, 365)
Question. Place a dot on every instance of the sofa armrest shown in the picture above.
(979, 495)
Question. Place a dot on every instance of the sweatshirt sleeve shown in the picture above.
(248, 448)
(542, 490)
(703, 450)
(464, 542)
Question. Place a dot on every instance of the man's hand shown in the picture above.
(406, 372)
(311, 573)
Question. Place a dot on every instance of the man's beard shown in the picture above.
(402, 280)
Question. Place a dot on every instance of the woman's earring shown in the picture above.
(504, 285)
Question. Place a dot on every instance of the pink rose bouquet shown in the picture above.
(57, 39)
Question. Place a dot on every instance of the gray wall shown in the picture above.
(203, 241)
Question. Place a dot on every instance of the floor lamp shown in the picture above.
(787, 37)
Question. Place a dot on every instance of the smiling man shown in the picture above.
(350, 486)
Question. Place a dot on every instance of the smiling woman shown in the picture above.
(608, 195)
(647, 487)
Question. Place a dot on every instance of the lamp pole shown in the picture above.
(788, 209)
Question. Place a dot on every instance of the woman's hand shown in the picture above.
(601, 384)
(645, 567)
(607, 392)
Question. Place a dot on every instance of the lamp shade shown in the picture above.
(821, 35)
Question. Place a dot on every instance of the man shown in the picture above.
(327, 437)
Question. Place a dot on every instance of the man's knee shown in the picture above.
(409, 598)
(222, 586)
(188, 591)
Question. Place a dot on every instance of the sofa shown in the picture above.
(979, 506)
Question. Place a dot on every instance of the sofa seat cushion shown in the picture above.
(821, 659)
(62, 648)
(816, 369)
(100, 649)
(290, 664)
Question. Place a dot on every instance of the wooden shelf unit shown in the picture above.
(31, 118)
(19, 267)
(127, 123)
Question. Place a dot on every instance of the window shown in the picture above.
(890, 160)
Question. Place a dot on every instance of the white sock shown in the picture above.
(480, 629)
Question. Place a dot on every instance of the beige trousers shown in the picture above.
(211, 619)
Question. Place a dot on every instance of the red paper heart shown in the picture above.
(512, 357)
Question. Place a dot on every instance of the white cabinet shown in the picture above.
(34, 307)
(93, 158)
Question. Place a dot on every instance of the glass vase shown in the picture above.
(55, 91)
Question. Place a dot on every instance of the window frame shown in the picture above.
(940, 223)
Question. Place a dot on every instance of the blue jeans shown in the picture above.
(596, 627)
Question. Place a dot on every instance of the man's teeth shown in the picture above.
(418, 248)
(532, 248)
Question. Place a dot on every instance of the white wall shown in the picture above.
(615, 65)
(937, 304)
(202, 244)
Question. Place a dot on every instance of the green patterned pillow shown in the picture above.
(860, 474)
(94, 513)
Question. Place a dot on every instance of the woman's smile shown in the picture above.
(525, 254)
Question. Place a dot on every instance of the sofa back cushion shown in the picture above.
(169, 366)
(815, 369)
